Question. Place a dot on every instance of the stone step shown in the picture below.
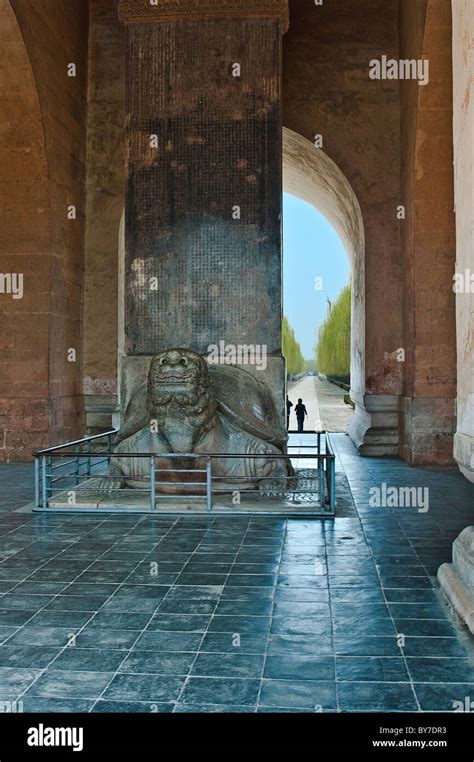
(380, 450)
(385, 436)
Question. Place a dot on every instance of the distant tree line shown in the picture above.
(333, 347)
(291, 349)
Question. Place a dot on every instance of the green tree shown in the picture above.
(333, 348)
(291, 349)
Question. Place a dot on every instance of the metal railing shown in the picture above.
(65, 476)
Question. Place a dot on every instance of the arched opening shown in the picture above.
(310, 175)
(317, 317)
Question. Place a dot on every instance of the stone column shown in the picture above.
(203, 195)
(457, 579)
(463, 69)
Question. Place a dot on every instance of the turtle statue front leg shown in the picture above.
(274, 476)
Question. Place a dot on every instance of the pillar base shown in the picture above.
(100, 410)
(464, 454)
(428, 425)
(374, 426)
(457, 579)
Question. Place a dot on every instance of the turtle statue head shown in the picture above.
(179, 382)
(181, 385)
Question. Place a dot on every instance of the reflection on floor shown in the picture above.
(137, 613)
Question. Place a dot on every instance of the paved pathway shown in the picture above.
(339, 615)
(324, 402)
(305, 388)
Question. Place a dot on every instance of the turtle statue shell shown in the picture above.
(247, 403)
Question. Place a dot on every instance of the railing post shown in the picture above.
(78, 464)
(88, 461)
(321, 481)
(37, 483)
(152, 484)
(209, 484)
(332, 484)
(45, 483)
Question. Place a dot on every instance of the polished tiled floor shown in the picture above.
(145, 614)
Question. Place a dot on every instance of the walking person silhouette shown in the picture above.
(301, 413)
(289, 405)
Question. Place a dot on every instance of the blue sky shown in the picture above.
(311, 249)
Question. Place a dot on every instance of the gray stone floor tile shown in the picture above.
(246, 614)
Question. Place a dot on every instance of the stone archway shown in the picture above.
(25, 224)
(312, 176)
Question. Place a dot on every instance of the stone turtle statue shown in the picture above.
(186, 408)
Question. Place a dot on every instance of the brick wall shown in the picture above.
(44, 135)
